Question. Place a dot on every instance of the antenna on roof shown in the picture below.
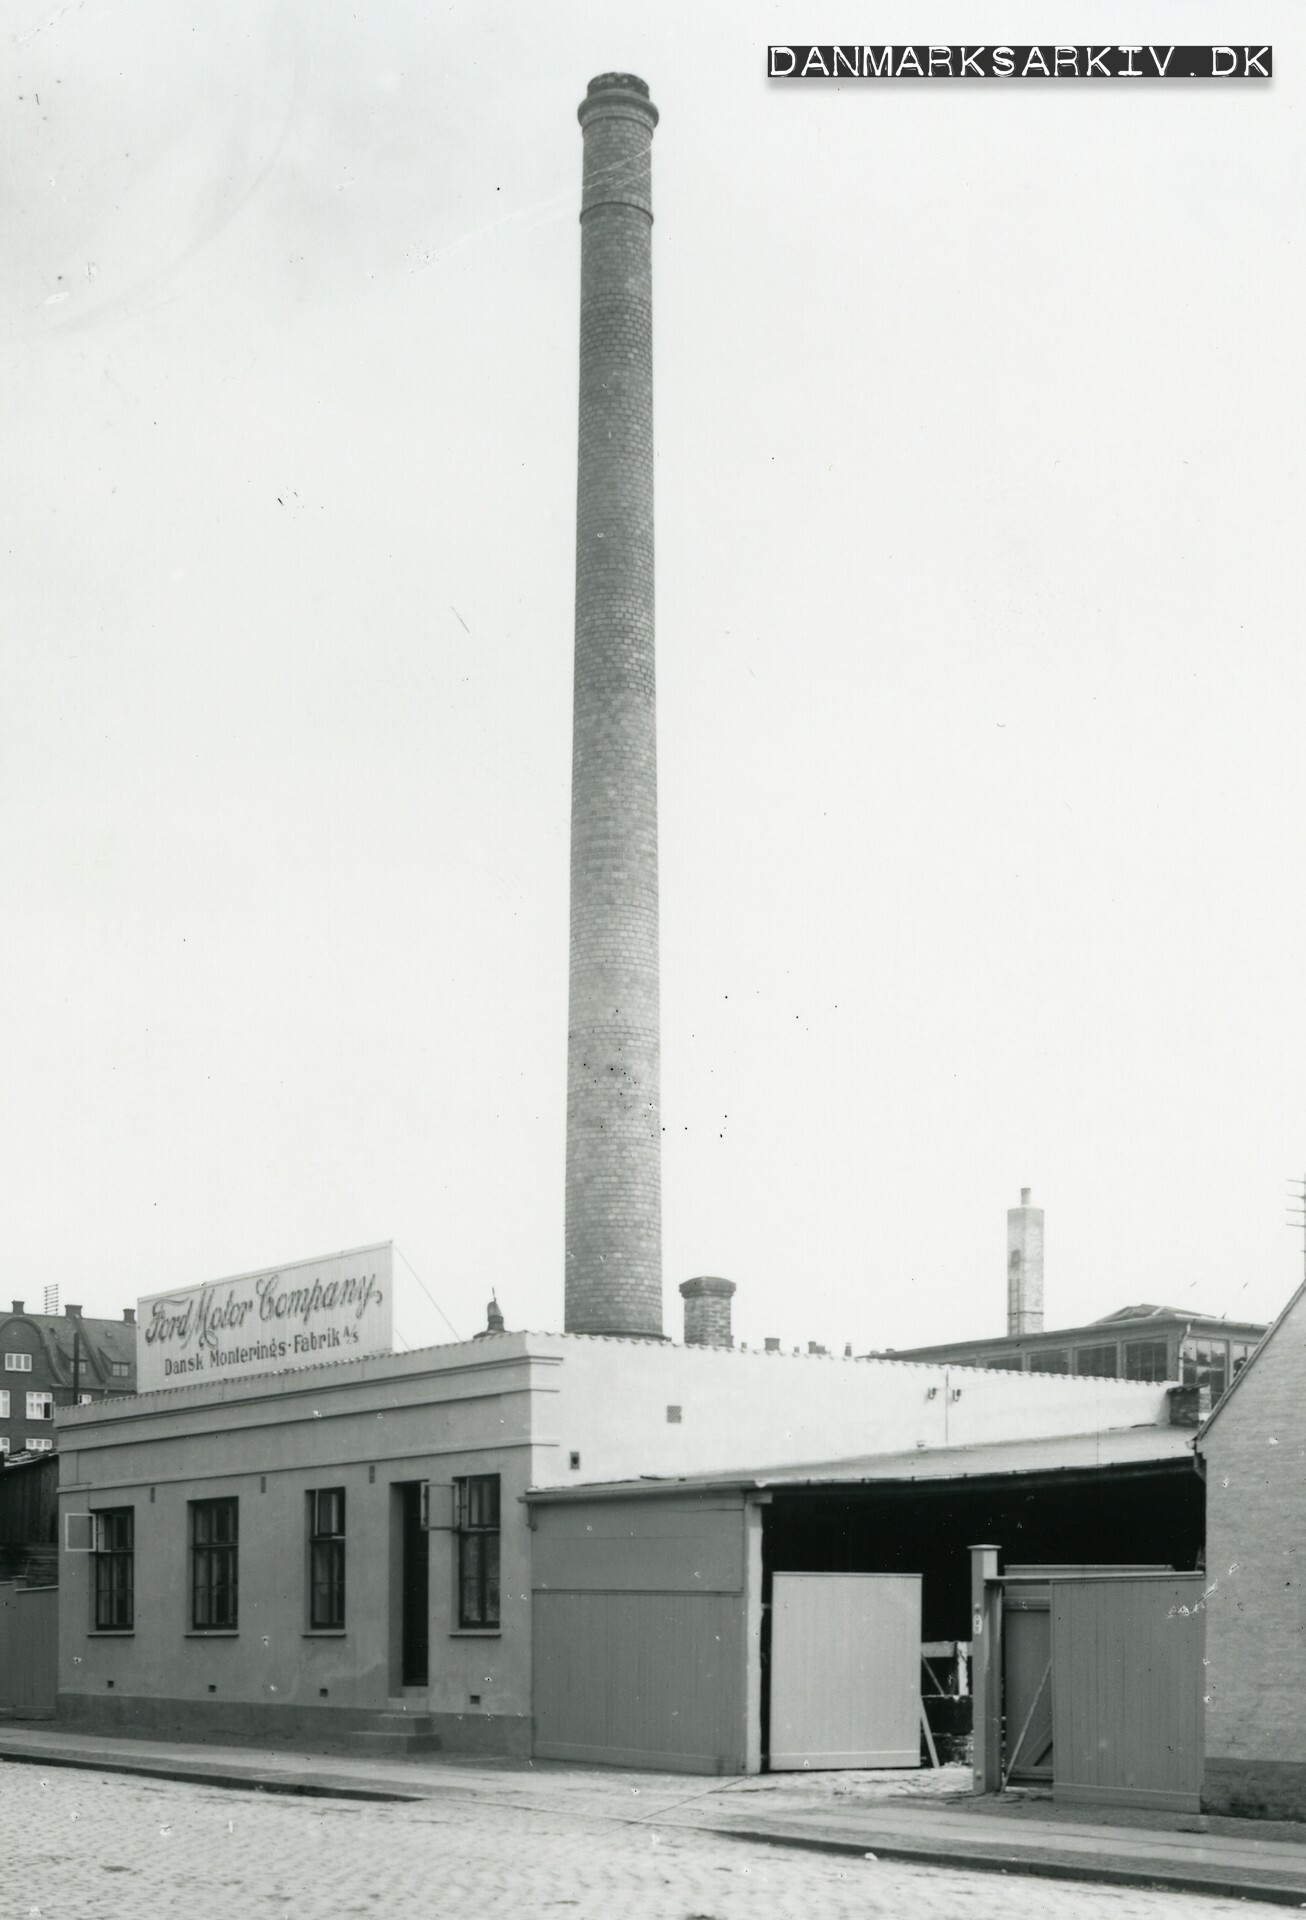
(1298, 1219)
(52, 1299)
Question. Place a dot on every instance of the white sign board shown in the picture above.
(335, 1308)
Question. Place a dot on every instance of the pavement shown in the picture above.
(926, 1818)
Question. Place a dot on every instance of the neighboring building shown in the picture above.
(29, 1512)
(345, 1550)
(58, 1360)
(1135, 1343)
(1254, 1449)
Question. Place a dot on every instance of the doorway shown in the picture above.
(412, 1583)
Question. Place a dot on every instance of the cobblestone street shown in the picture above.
(87, 1846)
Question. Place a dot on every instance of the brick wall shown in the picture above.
(1255, 1457)
(613, 1197)
(707, 1311)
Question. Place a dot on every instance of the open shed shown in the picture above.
(668, 1618)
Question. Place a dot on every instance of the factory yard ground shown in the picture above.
(227, 1831)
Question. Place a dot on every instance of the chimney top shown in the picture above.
(129, 1316)
(771, 1344)
(73, 1313)
(18, 1306)
(623, 95)
(618, 83)
(1024, 1196)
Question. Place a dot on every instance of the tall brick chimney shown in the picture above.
(1024, 1267)
(614, 1135)
(707, 1311)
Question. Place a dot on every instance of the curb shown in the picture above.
(1156, 1880)
(303, 1787)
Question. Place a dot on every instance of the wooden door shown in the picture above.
(1027, 1685)
(1128, 1710)
(845, 1670)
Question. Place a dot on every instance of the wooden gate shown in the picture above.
(1117, 1709)
(1127, 1655)
(845, 1670)
(29, 1650)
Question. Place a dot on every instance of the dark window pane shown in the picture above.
(1146, 1359)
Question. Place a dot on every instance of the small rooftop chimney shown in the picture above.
(73, 1313)
(18, 1306)
(129, 1316)
(771, 1344)
(707, 1311)
(1024, 1267)
(493, 1320)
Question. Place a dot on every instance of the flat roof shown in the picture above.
(1118, 1448)
(1096, 1332)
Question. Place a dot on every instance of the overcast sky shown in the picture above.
(982, 694)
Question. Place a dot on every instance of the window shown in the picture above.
(1206, 1364)
(43, 1445)
(4, 1403)
(326, 1557)
(213, 1541)
(478, 1550)
(40, 1406)
(1050, 1360)
(119, 1369)
(4, 1443)
(1147, 1360)
(1240, 1352)
(115, 1577)
(18, 1363)
(84, 1399)
(1097, 1362)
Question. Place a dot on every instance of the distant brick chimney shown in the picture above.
(1024, 1267)
(18, 1306)
(129, 1316)
(73, 1313)
(707, 1311)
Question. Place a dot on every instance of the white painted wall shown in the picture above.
(608, 1401)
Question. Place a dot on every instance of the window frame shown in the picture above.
(113, 1585)
(4, 1404)
(1143, 1351)
(18, 1363)
(44, 1407)
(326, 1559)
(214, 1564)
(478, 1561)
(38, 1443)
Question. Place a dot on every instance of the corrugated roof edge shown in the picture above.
(1162, 1444)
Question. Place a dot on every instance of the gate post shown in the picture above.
(986, 1667)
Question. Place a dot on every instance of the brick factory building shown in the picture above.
(567, 1543)
(346, 1552)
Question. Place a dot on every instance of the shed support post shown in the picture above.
(986, 1667)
